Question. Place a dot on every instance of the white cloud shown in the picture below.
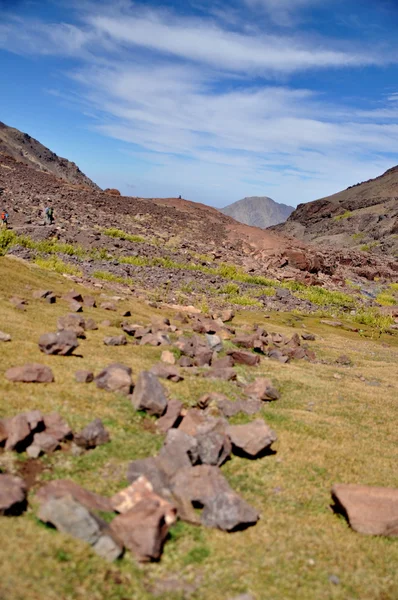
(203, 42)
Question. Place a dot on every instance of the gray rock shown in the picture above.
(149, 395)
(59, 488)
(214, 448)
(228, 512)
(73, 322)
(150, 469)
(180, 450)
(56, 426)
(5, 337)
(115, 340)
(72, 518)
(94, 434)
(90, 325)
(43, 442)
(62, 343)
(215, 342)
(262, 389)
(12, 495)
(171, 416)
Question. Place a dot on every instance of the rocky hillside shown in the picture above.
(259, 211)
(364, 216)
(26, 149)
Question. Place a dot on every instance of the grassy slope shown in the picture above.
(330, 430)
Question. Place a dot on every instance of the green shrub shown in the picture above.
(322, 297)
(230, 288)
(345, 215)
(244, 301)
(373, 318)
(386, 299)
(137, 261)
(8, 239)
(357, 237)
(123, 235)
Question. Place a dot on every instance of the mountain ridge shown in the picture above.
(24, 148)
(258, 211)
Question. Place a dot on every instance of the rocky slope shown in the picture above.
(364, 216)
(259, 211)
(176, 250)
(26, 149)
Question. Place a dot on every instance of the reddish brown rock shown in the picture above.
(369, 510)
(56, 426)
(60, 488)
(143, 529)
(12, 495)
(62, 343)
(108, 306)
(262, 389)
(84, 376)
(18, 433)
(73, 296)
(167, 372)
(89, 301)
(30, 373)
(139, 490)
(115, 378)
(251, 439)
(90, 325)
(73, 322)
(171, 416)
(244, 358)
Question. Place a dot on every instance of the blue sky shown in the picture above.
(214, 100)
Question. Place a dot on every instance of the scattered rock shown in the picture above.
(73, 518)
(214, 448)
(144, 528)
(41, 294)
(167, 372)
(18, 432)
(331, 323)
(94, 434)
(115, 340)
(215, 342)
(76, 307)
(251, 439)
(84, 376)
(244, 358)
(150, 469)
(56, 426)
(166, 357)
(115, 378)
(12, 495)
(30, 373)
(130, 496)
(73, 322)
(344, 360)
(90, 325)
(149, 395)
(171, 416)
(226, 362)
(226, 374)
(89, 301)
(308, 337)
(108, 306)
(5, 337)
(59, 488)
(228, 512)
(73, 296)
(43, 442)
(62, 343)
(262, 389)
(369, 510)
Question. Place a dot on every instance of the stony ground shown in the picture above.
(335, 422)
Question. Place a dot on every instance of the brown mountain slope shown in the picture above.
(364, 216)
(170, 244)
(26, 149)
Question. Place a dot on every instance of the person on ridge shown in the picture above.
(4, 219)
(49, 214)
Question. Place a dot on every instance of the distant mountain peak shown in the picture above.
(259, 211)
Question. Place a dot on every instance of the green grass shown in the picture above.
(373, 318)
(106, 276)
(298, 541)
(243, 300)
(59, 266)
(357, 237)
(230, 288)
(386, 299)
(123, 235)
(344, 215)
(323, 297)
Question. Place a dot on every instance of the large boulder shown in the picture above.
(56, 426)
(18, 432)
(30, 373)
(244, 358)
(149, 468)
(12, 495)
(180, 450)
(143, 529)
(72, 518)
(251, 439)
(149, 395)
(369, 510)
(115, 378)
(63, 342)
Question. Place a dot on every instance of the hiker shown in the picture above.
(4, 219)
(179, 197)
(49, 214)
